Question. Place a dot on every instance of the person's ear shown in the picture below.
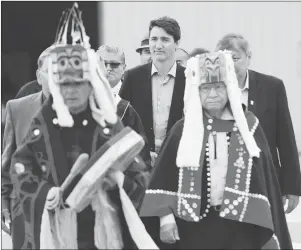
(177, 43)
(249, 55)
(38, 74)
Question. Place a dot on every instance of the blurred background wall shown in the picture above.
(272, 28)
(27, 29)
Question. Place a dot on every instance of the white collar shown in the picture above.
(116, 88)
(247, 84)
(172, 71)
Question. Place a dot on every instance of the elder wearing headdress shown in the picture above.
(214, 185)
(78, 174)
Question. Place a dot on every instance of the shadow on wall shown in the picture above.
(28, 28)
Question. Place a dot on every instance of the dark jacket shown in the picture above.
(29, 88)
(137, 89)
(268, 95)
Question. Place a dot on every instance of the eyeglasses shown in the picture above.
(207, 87)
(113, 65)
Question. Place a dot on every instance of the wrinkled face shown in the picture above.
(181, 57)
(145, 56)
(114, 66)
(162, 45)
(213, 91)
(213, 96)
(76, 95)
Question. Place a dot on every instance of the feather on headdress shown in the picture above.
(75, 61)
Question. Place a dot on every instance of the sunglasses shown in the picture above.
(113, 65)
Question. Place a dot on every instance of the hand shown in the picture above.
(108, 183)
(154, 156)
(293, 201)
(113, 178)
(117, 177)
(169, 233)
(53, 198)
(5, 222)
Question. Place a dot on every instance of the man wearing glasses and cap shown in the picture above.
(143, 50)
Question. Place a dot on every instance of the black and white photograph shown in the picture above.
(150, 125)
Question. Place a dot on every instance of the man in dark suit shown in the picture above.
(156, 92)
(265, 96)
(156, 89)
(20, 113)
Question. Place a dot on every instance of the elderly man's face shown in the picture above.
(114, 66)
(181, 57)
(214, 96)
(145, 56)
(76, 95)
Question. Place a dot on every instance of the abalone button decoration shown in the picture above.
(234, 212)
(36, 132)
(85, 122)
(106, 131)
(19, 167)
(44, 168)
(55, 121)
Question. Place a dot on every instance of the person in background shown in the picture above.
(143, 50)
(113, 60)
(181, 57)
(156, 91)
(198, 51)
(266, 97)
(20, 113)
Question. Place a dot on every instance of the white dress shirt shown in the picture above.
(162, 91)
(115, 91)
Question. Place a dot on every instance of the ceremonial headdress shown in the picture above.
(72, 60)
(209, 68)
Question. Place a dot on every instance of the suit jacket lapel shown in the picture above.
(37, 102)
(253, 92)
(176, 108)
(148, 97)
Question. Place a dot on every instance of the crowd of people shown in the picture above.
(185, 151)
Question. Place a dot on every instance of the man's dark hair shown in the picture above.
(169, 24)
(198, 51)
